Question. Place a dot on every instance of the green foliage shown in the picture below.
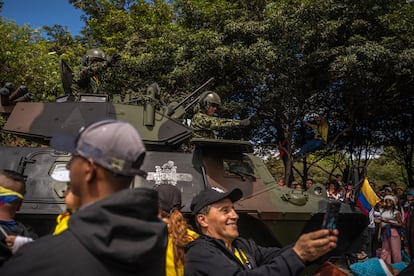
(384, 170)
(26, 59)
(278, 60)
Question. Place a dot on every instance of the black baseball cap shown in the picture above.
(169, 197)
(212, 195)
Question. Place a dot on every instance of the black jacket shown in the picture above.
(119, 235)
(209, 256)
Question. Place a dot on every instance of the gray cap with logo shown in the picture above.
(112, 144)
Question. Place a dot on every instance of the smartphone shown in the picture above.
(330, 219)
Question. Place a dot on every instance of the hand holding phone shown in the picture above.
(330, 219)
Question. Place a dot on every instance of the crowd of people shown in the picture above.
(112, 229)
(391, 220)
(109, 228)
(389, 234)
(335, 188)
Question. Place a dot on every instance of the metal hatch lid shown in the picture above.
(41, 121)
(224, 145)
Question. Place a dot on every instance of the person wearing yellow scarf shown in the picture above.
(72, 204)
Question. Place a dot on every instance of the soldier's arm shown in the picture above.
(203, 121)
(219, 123)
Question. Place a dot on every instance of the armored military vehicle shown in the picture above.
(272, 215)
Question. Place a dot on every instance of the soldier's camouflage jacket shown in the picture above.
(90, 79)
(204, 125)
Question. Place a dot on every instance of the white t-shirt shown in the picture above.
(389, 215)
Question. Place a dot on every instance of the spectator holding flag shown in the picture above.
(367, 198)
(366, 201)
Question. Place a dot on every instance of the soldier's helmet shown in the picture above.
(94, 55)
(208, 98)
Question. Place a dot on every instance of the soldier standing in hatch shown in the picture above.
(204, 123)
(88, 79)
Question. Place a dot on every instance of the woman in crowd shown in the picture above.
(391, 230)
(333, 190)
(179, 234)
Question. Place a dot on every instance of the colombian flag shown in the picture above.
(7, 196)
(367, 198)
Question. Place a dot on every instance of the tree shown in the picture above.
(26, 60)
(322, 39)
(280, 61)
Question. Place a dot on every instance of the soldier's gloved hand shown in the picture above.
(245, 122)
(113, 60)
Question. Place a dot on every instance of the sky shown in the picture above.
(38, 13)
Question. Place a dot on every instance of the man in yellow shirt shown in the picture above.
(320, 139)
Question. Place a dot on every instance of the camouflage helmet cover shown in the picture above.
(208, 98)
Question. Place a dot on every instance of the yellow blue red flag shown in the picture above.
(367, 198)
(7, 195)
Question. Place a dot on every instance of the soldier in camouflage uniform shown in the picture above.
(204, 124)
(88, 79)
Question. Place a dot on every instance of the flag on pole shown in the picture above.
(7, 195)
(367, 198)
